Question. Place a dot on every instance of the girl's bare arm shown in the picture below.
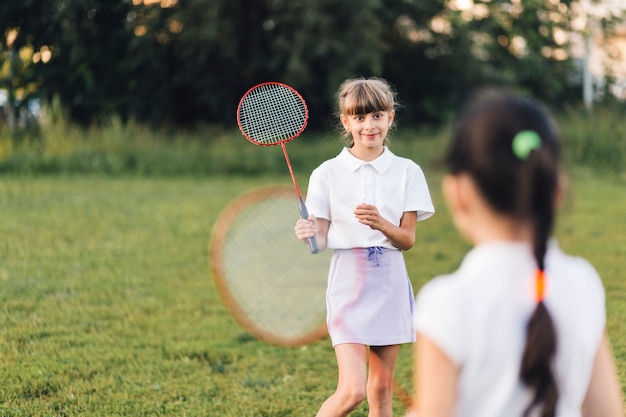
(402, 236)
(604, 395)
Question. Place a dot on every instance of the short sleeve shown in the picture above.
(438, 316)
(417, 194)
(318, 194)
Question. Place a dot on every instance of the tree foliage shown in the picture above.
(183, 62)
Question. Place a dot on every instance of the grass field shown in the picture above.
(107, 306)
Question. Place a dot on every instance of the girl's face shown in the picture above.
(368, 130)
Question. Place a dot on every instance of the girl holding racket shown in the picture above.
(365, 204)
(519, 328)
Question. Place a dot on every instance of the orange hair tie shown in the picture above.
(541, 285)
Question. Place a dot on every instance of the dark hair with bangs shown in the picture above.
(364, 96)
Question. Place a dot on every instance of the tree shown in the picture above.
(183, 62)
(86, 42)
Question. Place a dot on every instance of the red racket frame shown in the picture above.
(303, 210)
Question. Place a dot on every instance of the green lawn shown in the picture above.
(107, 306)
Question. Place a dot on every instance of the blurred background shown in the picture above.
(182, 65)
(119, 149)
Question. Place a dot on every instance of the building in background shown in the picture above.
(605, 56)
(601, 55)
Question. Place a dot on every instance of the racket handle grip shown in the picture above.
(313, 245)
(304, 213)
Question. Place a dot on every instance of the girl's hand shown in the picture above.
(306, 228)
(368, 215)
(401, 236)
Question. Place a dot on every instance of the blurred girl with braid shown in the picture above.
(519, 329)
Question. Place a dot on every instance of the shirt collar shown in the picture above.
(380, 164)
(505, 252)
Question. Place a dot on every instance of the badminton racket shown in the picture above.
(275, 290)
(271, 114)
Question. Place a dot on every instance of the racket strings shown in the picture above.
(275, 284)
(272, 114)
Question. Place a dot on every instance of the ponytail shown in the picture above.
(536, 367)
(536, 371)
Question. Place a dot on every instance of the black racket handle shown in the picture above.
(304, 213)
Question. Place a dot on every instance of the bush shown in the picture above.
(595, 139)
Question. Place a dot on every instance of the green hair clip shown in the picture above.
(524, 142)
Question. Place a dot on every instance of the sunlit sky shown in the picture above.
(164, 3)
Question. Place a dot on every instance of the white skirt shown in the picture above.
(369, 298)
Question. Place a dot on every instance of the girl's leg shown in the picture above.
(380, 381)
(351, 362)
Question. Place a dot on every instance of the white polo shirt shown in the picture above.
(392, 183)
(478, 316)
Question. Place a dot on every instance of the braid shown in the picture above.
(535, 370)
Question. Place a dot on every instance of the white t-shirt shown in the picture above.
(391, 183)
(478, 316)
